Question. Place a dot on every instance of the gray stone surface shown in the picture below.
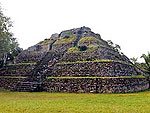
(109, 69)
(96, 85)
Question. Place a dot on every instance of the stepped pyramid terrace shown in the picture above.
(76, 60)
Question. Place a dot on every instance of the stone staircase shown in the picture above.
(42, 67)
(28, 86)
(34, 82)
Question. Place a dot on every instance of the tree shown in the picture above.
(16, 51)
(7, 42)
(117, 47)
(147, 61)
(134, 60)
(147, 65)
(110, 42)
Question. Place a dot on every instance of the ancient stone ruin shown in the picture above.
(76, 60)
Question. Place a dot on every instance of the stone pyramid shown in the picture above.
(76, 60)
(78, 52)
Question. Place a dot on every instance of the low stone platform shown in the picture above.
(96, 85)
(78, 84)
(21, 69)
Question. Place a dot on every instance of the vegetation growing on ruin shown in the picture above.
(25, 102)
(92, 47)
(14, 76)
(69, 33)
(85, 61)
(45, 42)
(20, 64)
(93, 77)
(65, 40)
(88, 40)
(95, 60)
(76, 49)
(73, 49)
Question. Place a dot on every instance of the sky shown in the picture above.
(125, 22)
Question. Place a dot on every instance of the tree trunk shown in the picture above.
(5, 59)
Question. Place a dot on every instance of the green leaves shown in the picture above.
(147, 61)
(7, 41)
(134, 60)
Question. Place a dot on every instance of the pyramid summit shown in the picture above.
(75, 60)
(80, 41)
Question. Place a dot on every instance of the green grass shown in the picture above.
(43, 102)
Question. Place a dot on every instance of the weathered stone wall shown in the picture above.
(123, 69)
(96, 85)
(37, 52)
(9, 83)
(84, 85)
(30, 56)
(61, 47)
(93, 69)
(19, 69)
(80, 56)
(83, 31)
(100, 53)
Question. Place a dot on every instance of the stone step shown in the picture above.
(26, 86)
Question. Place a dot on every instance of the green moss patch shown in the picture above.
(65, 40)
(73, 50)
(84, 61)
(19, 76)
(23, 64)
(76, 49)
(92, 47)
(91, 77)
(45, 42)
(88, 40)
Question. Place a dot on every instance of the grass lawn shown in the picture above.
(43, 102)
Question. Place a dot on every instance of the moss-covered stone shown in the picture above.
(73, 50)
(88, 40)
(77, 49)
(45, 42)
(65, 40)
